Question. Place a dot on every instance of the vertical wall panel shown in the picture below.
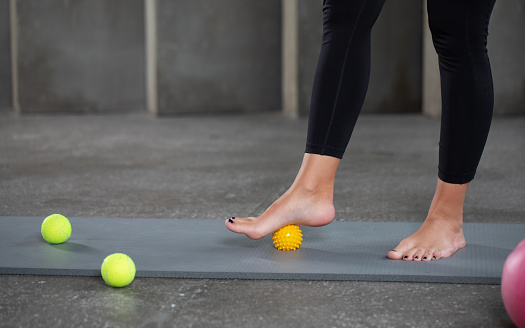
(5, 57)
(82, 55)
(506, 46)
(218, 55)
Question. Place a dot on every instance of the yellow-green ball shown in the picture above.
(118, 270)
(56, 229)
(288, 238)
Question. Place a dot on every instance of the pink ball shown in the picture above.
(513, 285)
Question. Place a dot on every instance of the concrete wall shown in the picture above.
(395, 78)
(506, 46)
(89, 55)
(5, 57)
(431, 97)
(80, 55)
(218, 55)
(396, 75)
(310, 35)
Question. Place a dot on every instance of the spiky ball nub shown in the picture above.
(288, 238)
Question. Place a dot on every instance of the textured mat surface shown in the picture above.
(206, 249)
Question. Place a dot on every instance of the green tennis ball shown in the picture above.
(118, 270)
(56, 229)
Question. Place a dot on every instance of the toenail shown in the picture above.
(406, 257)
(233, 217)
(393, 250)
(417, 257)
(230, 220)
(425, 258)
(435, 258)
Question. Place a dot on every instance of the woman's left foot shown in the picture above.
(435, 239)
(441, 235)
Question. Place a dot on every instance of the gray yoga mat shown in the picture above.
(183, 248)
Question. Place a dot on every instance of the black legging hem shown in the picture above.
(324, 150)
(456, 179)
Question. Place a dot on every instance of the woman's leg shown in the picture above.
(459, 32)
(343, 71)
(340, 86)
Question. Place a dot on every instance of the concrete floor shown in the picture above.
(235, 165)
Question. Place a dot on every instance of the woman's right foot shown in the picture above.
(294, 207)
(309, 201)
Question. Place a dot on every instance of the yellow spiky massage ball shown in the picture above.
(288, 238)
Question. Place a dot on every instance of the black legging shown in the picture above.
(459, 32)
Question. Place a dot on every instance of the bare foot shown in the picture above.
(435, 239)
(309, 201)
(441, 235)
(294, 207)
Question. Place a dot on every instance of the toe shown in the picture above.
(247, 226)
(409, 255)
(394, 255)
(436, 255)
(399, 251)
(238, 225)
(418, 256)
(235, 220)
(230, 224)
(427, 256)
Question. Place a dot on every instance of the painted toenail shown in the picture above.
(435, 258)
(417, 257)
(406, 257)
(233, 218)
(425, 258)
(230, 220)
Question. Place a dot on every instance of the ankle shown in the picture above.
(312, 190)
(454, 221)
(449, 197)
(316, 177)
(447, 204)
